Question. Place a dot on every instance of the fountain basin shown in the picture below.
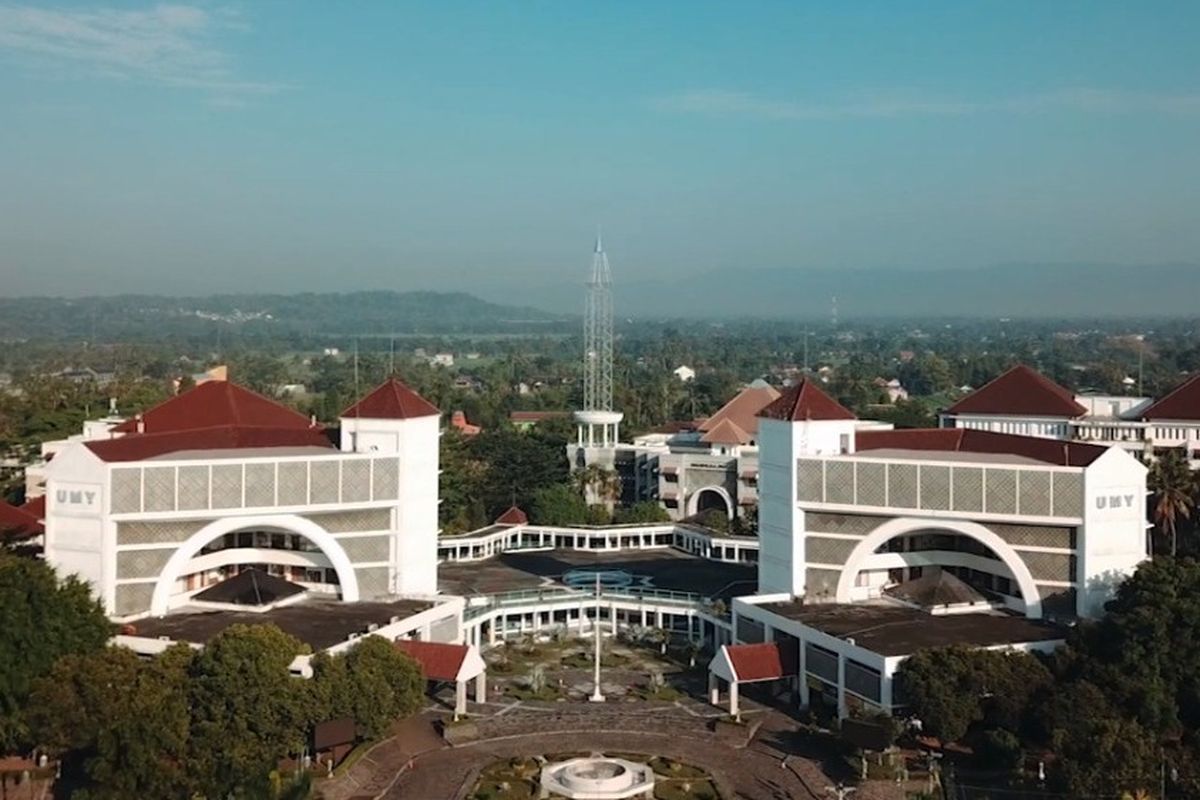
(598, 778)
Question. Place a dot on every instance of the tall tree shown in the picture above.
(42, 619)
(1173, 485)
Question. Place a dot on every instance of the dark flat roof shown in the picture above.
(898, 631)
(318, 623)
(649, 569)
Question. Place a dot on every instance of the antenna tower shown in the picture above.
(598, 335)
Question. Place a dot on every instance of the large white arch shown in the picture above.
(902, 525)
(173, 569)
(693, 501)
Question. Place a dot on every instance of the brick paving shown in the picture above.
(418, 766)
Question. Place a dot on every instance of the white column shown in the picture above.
(481, 687)
(733, 699)
(714, 690)
(460, 698)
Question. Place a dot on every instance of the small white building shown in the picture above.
(684, 373)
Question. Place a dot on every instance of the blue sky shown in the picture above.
(291, 146)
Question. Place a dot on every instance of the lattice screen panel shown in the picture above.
(323, 482)
(968, 488)
(193, 488)
(819, 550)
(839, 482)
(142, 563)
(260, 485)
(1068, 494)
(172, 532)
(133, 598)
(227, 486)
(872, 484)
(1049, 566)
(935, 487)
(1035, 535)
(370, 519)
(356, 481)
(385, 480)
(1001, 492)
(902, 485)
(126, 491)
(856, 524)
(809, 487)
(293, 483)
(372, 582)
(366, 549)
(159, 489)
(1033, 493)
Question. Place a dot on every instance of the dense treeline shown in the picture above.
(1118, 708)
(212, 723)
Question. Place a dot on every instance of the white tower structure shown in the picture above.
(597, 422)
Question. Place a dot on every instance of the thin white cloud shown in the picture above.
(170, 45)
(719, 102)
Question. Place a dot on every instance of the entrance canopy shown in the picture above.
(750, 663)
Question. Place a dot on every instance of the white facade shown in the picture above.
(147, 535)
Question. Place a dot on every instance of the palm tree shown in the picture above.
(1174, 488)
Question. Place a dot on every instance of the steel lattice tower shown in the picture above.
(598, 423)
(598, 336)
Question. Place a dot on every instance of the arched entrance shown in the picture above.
(710, 498)
(889, 530)
(177, 563)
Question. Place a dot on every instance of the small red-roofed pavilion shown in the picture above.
(748, 663)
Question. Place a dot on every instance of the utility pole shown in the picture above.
(597, 695)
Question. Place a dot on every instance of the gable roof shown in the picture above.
(1021, 390)
(1182, 402)
(392, 399)
(760, 662)
(139, 446)
(19, 522)
(806, 401)
(513, 516)
(743, 408)
(726, 432)
(969, 440)
(213, 404)
(439, 662)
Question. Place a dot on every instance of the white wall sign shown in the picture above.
(74, 499)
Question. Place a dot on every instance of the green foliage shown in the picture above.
(645, 512)
(1174, 488)
(559, 504)
(247, 709)
(952, 688)
(42, 619)
(374, 683)
(998, 749)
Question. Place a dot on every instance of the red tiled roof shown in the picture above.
(459, 420)
(743, 410)
(806, 401)
(439, 662)
(36, 507)
(392, 400)
(213, 404)
(966, 440)
(139, 446)
(725, 432)
(1020, 391)
(16, 521)
(514, 516)
(761, 662)
(1182, 402)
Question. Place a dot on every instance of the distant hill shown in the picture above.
(359, 313)
(1017, 291)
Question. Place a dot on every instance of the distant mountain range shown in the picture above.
(1016, 291)
(359, 313)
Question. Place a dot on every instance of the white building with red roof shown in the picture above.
(1022, 401)
(160, 507)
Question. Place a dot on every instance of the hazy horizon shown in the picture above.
(287, 147)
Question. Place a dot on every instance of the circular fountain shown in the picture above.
(598, 778)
